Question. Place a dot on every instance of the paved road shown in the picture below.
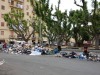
(46, 65)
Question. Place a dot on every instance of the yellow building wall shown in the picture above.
(22, 4)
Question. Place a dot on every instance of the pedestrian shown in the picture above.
(59, 48)
(86, 52)
(4, 45)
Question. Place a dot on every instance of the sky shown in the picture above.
(69, 4)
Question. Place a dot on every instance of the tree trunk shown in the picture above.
(97, 42)
(59, 43)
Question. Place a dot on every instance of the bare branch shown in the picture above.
(77, 4)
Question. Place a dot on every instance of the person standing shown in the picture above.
(4, 45)
(86, 52)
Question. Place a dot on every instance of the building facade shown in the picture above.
(7, 6)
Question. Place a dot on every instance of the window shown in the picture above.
(2, 15)
(2, 7)
(12, 2)
(2, 32)
(12, 33)
(9, 1)
(27, 0)
(3, 0)
(12, 9)
(27, 7)
(2, 24)
(27, 13)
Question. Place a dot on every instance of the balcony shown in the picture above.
(11, 3)
(16, 4)
(11, 36)
(4, 27)
(21, 1)
(19, 6)
(15, 0)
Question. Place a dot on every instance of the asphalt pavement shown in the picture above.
(46, 65)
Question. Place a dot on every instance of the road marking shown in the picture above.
(2, 62)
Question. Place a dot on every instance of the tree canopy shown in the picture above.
(57, 26)
(16, 22)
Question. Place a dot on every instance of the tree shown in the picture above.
(16, 22)
(41, 9)
(62, 27)
(57, 27)
(79, 31)
(92, 18)
(39, 27)
(95, 20)
(85, 11)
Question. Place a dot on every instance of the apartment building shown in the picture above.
(6, 6)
